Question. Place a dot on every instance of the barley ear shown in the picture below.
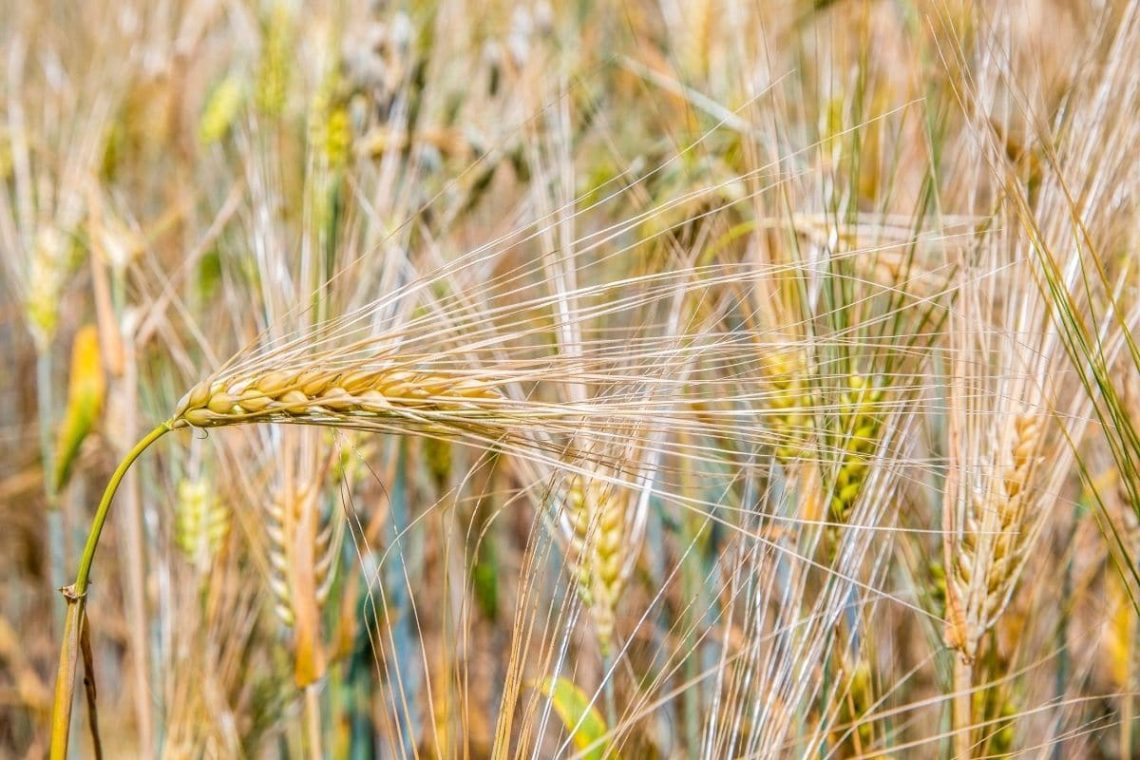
(319, 396)
(786, 373)
(597, 516)
(302, 566)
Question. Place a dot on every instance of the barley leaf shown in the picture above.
(584, 722)
(84, 402)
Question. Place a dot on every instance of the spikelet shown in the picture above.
(597, 515)
(937, 587)
(221, 109)
(861, 427)
(989, 552)
(315, 395)
(274, 71)
(201, 522)
(302, 567)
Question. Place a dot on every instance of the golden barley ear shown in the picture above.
(989, 550)
(322, 397)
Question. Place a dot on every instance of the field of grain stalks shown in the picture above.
(606, 379)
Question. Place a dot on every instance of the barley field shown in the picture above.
(596, 379)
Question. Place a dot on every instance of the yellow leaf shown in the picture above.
(1121, 631)
(584, 722)
(84, 401)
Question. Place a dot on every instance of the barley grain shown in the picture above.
(316, 395)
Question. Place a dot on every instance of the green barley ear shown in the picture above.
(221, 110)
(49, 269)
(790, 402)
(597, 516)
(274, 68)
(330, 127)
(861, 426)
(857, 686)
(352, 450)
(201, 522)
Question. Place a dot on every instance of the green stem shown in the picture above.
(76, 595)
(608, 690)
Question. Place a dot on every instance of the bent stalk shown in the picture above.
(76, 595)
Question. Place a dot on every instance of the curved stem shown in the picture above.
(76, 597)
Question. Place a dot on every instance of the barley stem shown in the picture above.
(312, 729)
(608, 689)
(76, 595)
(962, 705)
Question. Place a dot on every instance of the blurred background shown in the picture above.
(879, 255)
